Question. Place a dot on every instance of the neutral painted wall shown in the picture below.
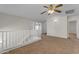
(72, 18)
(72, 27)
(9, 22)
(44, 27)
(57, 26)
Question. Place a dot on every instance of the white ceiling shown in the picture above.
(33, 11)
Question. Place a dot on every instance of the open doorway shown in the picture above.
(37, 29)
(72, 30)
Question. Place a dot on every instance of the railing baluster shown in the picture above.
(2, 40)
(9, 39)
(23, 38)
(16, 38)
(6, 39)
(13, 39)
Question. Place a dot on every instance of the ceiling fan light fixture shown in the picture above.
(51, 8)
(50, 11)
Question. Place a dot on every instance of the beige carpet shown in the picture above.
(49, 45)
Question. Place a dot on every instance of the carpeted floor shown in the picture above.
(49, 45)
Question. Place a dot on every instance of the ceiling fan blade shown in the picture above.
(51, 5)
(48, 13)
(45, 6)
(59, 5)
(43, 12)
(57, 11)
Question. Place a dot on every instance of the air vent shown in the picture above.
(70, 11)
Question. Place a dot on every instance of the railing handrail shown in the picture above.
(15, 30)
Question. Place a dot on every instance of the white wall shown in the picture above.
(72, 18)
(9, 22)
(72, 27)
(57, 26)
(44, 27)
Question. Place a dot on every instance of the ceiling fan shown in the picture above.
(52, 8)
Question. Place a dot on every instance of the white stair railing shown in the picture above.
(10, 39)
(13, 39)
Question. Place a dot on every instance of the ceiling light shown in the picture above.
(51, 8)
(37, 27)
(55, 20)
(50, 11)
(0, 41)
